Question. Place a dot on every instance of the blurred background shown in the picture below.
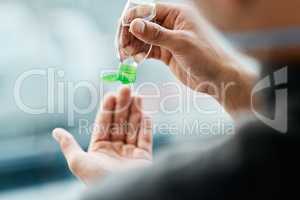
(75, 39)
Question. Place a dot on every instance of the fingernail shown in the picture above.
(55, 135)
(139, 57)
(129, 50)
(139, 26)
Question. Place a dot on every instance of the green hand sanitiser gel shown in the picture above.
(126, 74)
(130, 60)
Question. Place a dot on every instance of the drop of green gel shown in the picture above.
(126, 75)
(113, 77)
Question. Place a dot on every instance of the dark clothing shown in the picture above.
(256, 163)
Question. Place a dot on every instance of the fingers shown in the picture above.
(152, 33)
(121, 114)
(144, 11)
(129, 45)
(70, 148)
(120, 120)
(104, 119)
(134, 121)
(137, 33)
(158, 13)
(158, 53)
(145, 135)
(163, 11)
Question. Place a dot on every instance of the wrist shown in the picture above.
(236, 85)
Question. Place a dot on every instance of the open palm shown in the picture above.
(121, 139)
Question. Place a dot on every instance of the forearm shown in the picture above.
(236, 85)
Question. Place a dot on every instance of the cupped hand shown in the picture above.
(121, 139)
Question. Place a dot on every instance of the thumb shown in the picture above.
(153, 33)
(70, 148)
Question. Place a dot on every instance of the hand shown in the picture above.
(185, 42)
(121, 140)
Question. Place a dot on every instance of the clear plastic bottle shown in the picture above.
(131, 51)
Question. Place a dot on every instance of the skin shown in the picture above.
(193, 56)
(113, 147)
(192, 53)
(181, 42)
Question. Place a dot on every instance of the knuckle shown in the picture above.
(157, 33)
(182, 40)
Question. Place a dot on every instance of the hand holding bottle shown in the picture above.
(184, 41)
